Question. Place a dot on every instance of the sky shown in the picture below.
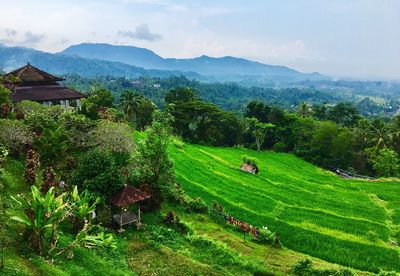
(343, 38)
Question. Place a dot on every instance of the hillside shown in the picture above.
(14, 57)
(210, 250)
(227, 68)
(349, 222)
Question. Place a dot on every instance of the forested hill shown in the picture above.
(14, 57)
(223, 68)
(233, 97)
(229, 96)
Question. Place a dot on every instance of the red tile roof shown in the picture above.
(127, 195)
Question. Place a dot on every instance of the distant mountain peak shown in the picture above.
(204, 64)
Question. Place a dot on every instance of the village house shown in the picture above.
(39, 86)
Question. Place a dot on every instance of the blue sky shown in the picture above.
(353, 38)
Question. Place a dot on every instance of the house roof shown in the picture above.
(127, 195)
(41, 93)
(30, 74)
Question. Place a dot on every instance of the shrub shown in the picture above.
(249, 160)
(280, 147)
(387, 273)
(386, 163)
(32, 164)
(177, 194)
(177, 142)
(98, 173)
(265, 235)
(197, 205)
(3, 155)
(305, 268)
(114, 137)
(15, 135)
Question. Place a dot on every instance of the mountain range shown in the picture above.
(98, 59)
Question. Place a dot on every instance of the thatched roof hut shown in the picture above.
(127, 196)
(250, 168)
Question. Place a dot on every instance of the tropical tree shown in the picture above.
(259, 131)
(304, 109)
(130, 103)
(344, 113)
(153, 165)
(98, 173)
(52, 146)
(380, 135)
(113, 137)
(386, 163)
(257, 109)
(180, 95)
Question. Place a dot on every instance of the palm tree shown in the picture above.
(130, 103)
(381, 136)
(363, 132)
(304, 109)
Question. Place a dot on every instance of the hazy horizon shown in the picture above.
(355, 39)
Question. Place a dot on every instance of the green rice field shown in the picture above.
(354, 223)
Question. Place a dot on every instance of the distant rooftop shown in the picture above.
(40, 86)
(31, 75)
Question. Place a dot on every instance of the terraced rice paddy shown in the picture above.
(349, 222)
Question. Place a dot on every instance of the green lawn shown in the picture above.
(349, 222)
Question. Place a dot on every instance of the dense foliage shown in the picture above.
(153, 168)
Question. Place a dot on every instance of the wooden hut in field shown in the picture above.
(123, 200)
(249, 168)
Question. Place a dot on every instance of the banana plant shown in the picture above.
(42, 215)
(82, 207)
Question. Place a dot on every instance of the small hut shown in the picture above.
(250, 168)
(122, 200)
(249, 165)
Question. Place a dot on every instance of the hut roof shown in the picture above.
(249, 168)
(30, 74)
(41, 93)
(127, 195)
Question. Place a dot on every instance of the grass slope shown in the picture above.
(348, 222)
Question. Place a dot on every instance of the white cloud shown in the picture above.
(142, 32)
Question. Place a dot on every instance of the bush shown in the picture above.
(387, 273)
(249, 160)
(265, 235)
(98, 173)
(177, 194)
(114, 137)
(305, 268)
(177, 142)
(15, 135)
(385, 162)
(197, 205)
(280, 147)
(173, 220)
